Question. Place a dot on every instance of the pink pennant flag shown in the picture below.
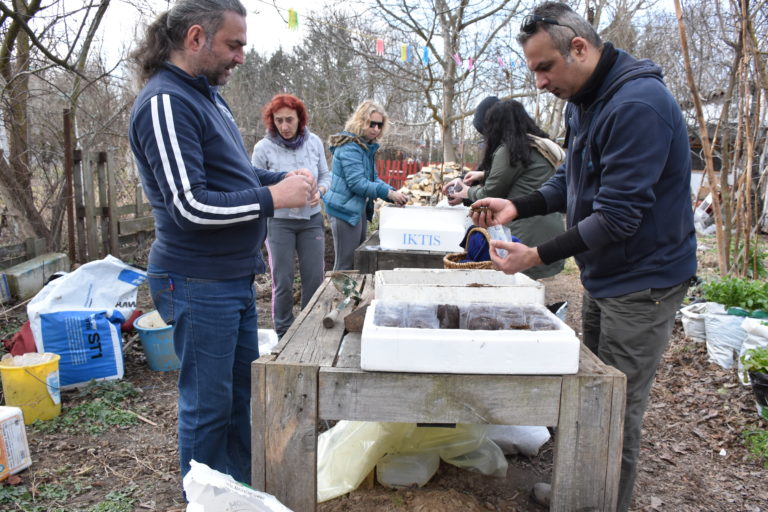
(380, 47)
(470, 63)
(457, 59)
(501, 62)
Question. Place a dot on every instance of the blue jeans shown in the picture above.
(216, 338)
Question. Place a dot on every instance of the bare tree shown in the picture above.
(36, 38)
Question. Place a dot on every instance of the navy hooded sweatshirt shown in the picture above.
(210, 204)
(626, 184)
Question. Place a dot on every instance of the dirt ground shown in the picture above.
(693, 457)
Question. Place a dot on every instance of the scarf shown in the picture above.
(296, 142)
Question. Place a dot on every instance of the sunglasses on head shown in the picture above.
(528, 26)
(376, 124)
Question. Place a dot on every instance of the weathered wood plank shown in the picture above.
(349, 351)
(114, 241)
(316, 344)
(346, 393)
(136, 225)
(291, 435)
(259, 424)
(103, 212)
(77, 156)
(89, 205)
(585, 427)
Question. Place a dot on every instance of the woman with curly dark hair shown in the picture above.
(519, 156)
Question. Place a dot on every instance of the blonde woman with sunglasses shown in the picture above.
(354, 182)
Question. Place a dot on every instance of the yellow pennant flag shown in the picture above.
(293, 19)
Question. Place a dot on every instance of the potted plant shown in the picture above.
(755, 363)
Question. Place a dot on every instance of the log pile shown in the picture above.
(425, 188)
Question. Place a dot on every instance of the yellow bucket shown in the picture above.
(32, 387)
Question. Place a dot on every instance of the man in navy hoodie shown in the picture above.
(210, 207)
(625, 191)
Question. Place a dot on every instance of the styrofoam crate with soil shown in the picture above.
(464, 337)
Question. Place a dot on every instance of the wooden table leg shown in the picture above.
(285, 437)
(588, 443)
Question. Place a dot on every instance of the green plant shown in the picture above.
(116, 501)
(737, 292)
(756, 441)
(755, 360)
(100, 410)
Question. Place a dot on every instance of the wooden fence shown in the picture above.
(101, 226)
(395, 172)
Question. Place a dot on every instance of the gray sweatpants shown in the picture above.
(631, 333)
(286, 239)
(347, 238)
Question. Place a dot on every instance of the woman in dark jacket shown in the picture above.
(518, 158)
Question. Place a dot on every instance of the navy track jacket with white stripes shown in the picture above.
(210, 204)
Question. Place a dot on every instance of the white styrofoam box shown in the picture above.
(434, 350)
(450, 285)
(14, 449)
(422, 228)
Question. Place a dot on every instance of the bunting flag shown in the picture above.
(404, 52)
(380, 47)
(470, 63)
(293, 19)
(501, 62)
(457, 59)
(425, 56)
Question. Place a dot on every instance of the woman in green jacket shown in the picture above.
(519, 157)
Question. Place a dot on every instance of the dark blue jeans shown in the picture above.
(216, 339)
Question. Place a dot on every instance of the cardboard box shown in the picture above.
(14, 449)
(423, 228)
(432, 285)
(404, 341)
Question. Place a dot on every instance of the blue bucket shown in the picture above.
(157, 339)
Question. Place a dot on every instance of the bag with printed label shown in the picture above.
(78, 316)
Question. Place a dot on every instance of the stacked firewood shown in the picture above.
(425, 188)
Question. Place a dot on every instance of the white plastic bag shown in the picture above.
(209, 490)
(487, 459)
(692, 317)
(78, 316)
(514, 439)
(407, 469)
(757, 336)
(725, 337)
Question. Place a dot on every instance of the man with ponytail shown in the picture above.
(210, 206)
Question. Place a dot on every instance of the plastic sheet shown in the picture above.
(350, 450)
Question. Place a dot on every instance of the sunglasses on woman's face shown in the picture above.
(528, 26)
(376, 124)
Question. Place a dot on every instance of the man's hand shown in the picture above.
(293, 191)
(519, 256)
(308, 175)
(491, 211)
(397, 197)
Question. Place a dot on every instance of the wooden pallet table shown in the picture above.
(315, 375)
(370, 257)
